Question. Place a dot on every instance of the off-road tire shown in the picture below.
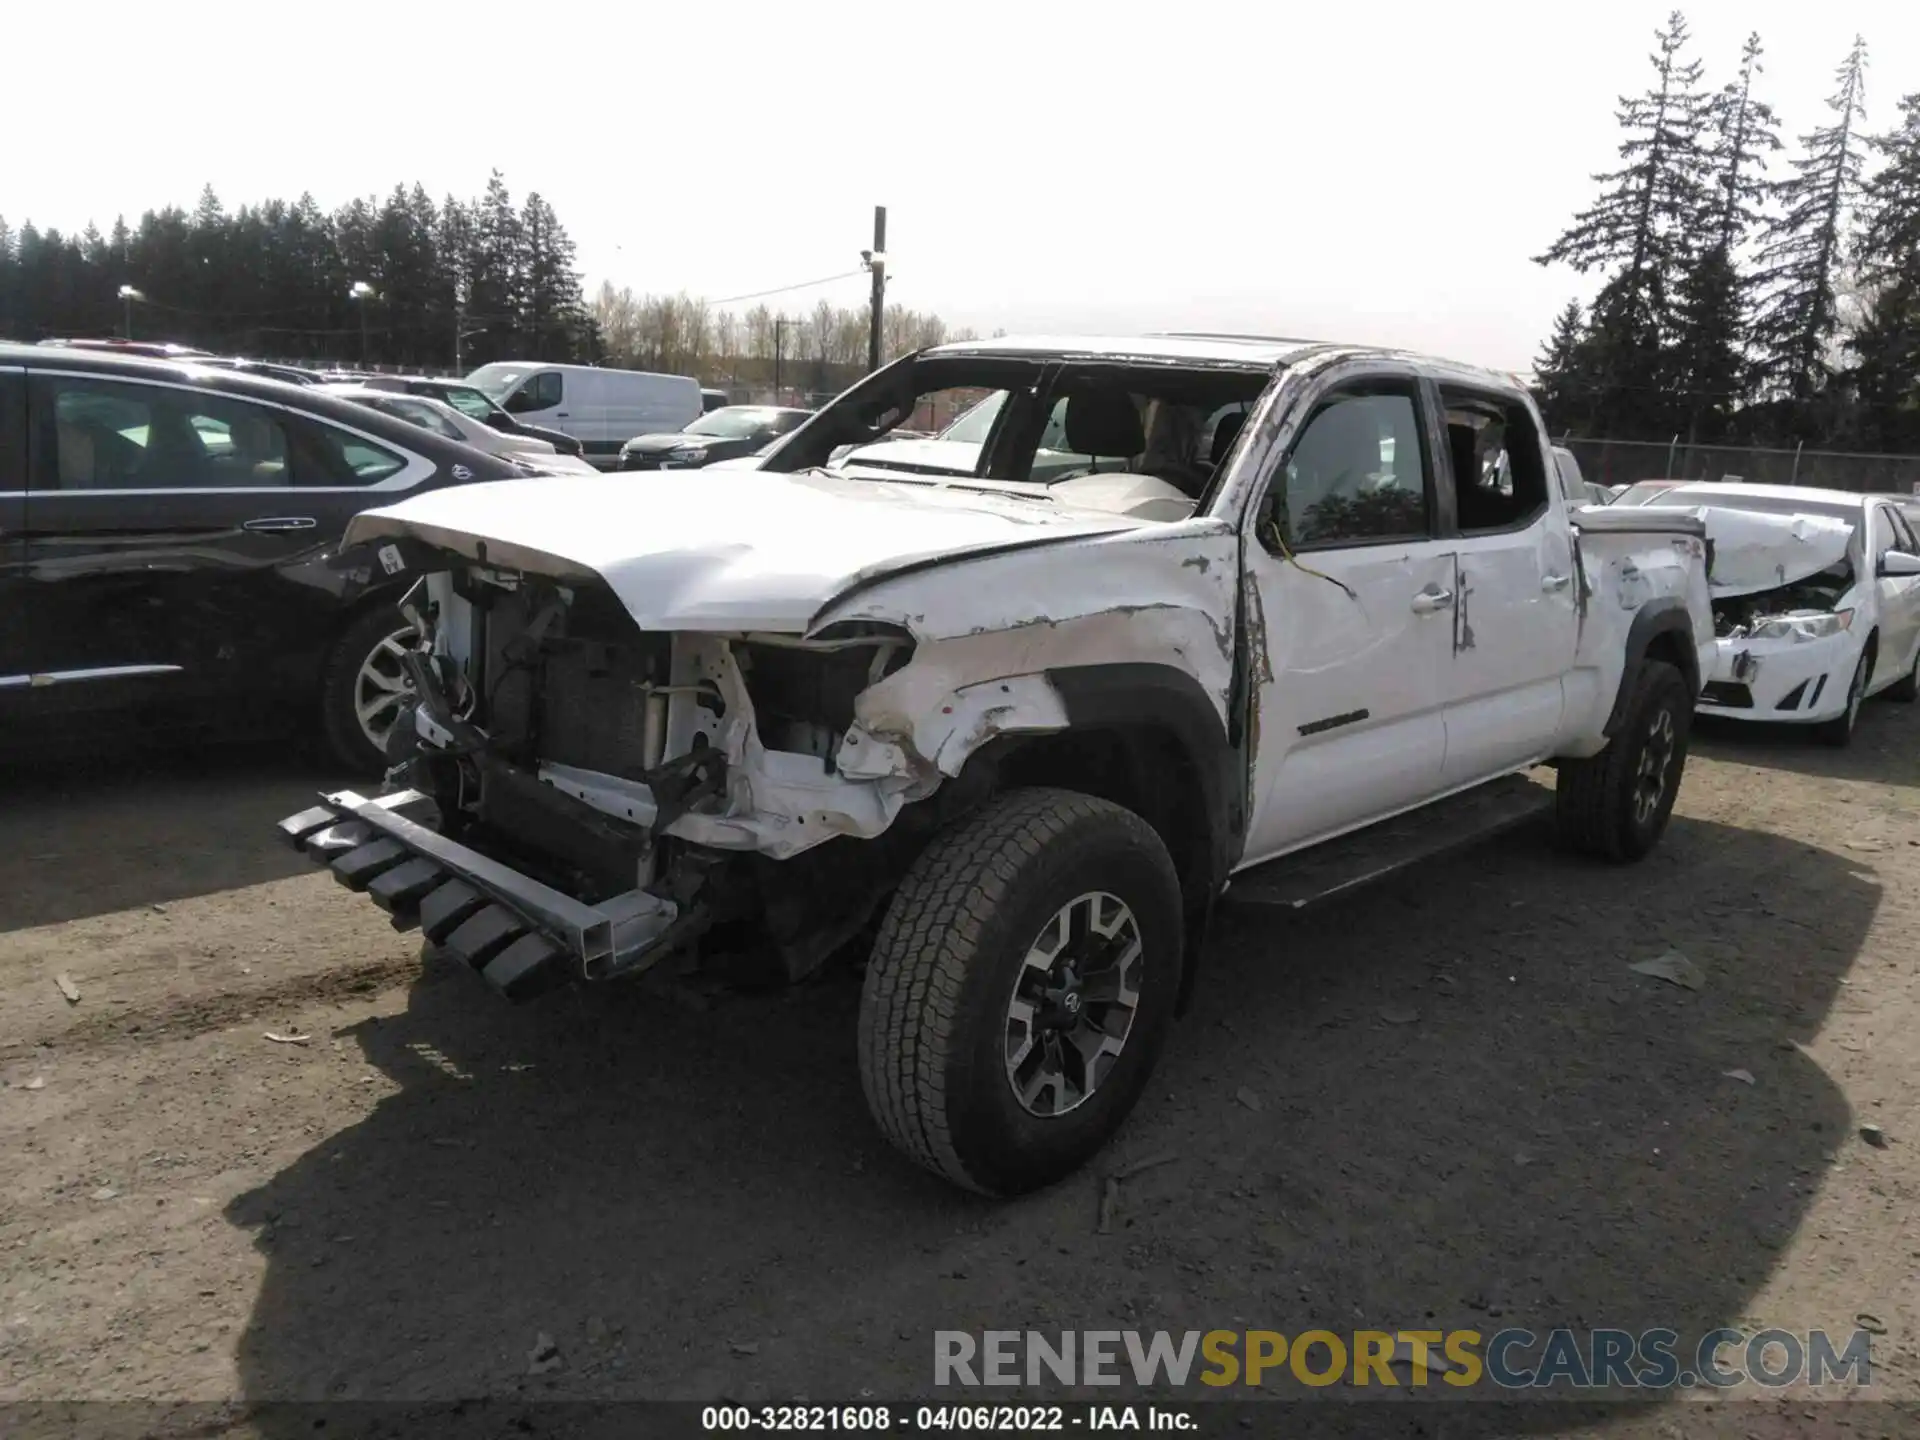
(1838, 732)
(933, 1009)
(1594, 798)
(347, 744)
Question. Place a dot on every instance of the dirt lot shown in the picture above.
(691, 1202)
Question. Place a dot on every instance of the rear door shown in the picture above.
(178, 537)
(1515, 622)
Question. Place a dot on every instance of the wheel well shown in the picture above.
(1667, 646)
(1142, 767)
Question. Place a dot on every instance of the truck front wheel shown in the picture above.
(1020, 989)
(1615, 804)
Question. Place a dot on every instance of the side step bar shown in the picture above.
(1337, 866)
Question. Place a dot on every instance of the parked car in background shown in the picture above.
(724, 434)
(602, 409)
(1020, 730)
(169, 547)
(152, 349)
(1814, 616)
(474, 403)
(270, 369)
(448, 423)
(1646, 492)
(1577, 490)
(711, 400)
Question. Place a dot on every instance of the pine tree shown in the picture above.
(1713, 302)
(1886, 375)
(493, 273)
(1642, 227)
(551, 287)
(1800, 314)
(1557, 371)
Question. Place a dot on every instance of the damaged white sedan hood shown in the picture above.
(1754, 551)
(741, 550)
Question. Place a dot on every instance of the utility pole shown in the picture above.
(876, 263)
(779, 325)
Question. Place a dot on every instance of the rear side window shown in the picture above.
(340, 458)
(1499, 479)
(93, 434)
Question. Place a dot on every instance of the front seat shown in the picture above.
(1103, 423)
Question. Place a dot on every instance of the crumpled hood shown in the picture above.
(733, 550)
(1754, 551)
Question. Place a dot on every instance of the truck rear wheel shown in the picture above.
(1020, 989)
(1615, 804)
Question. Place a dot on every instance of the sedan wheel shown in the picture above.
(383, 687)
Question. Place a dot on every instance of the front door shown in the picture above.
(1516, 625)
(178, 538)
(1898, 596)
(1352, 633)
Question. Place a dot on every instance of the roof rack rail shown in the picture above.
(1233, 335)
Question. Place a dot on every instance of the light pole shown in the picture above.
(363, 292)
(127, 296)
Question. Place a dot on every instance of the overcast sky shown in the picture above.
(1367, 171)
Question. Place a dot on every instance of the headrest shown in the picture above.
(1103, 422)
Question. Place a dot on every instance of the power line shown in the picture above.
(784, 289)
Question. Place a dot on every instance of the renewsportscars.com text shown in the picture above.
(1511, 1359)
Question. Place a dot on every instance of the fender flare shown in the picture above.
(1134, 695)
(1667, 615)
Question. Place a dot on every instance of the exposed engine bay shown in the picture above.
(1737, 617)
(705, 770)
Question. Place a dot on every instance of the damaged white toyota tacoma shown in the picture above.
(1003, 720)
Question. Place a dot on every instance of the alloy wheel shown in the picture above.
(1073, 1003)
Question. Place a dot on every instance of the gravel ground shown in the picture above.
(1448, 1103)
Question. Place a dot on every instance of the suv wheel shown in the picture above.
(364, 688)
(1020, 989)
(1615, 804)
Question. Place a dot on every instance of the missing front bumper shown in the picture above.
(524, 937)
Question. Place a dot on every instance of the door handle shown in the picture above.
(1555, 582)
(1428, 601)
(281, 522)
(559, 414)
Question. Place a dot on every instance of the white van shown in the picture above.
(601, 408)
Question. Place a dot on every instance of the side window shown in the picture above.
(1357, 475)
(109, 435)
(13, 433)
(547, 390)
(1901, 532)
(1499, 479)
(427, 418)
(334, 457)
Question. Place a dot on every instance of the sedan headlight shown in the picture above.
(1802, 625)
(689, 452)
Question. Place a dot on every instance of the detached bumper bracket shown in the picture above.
(523, 936)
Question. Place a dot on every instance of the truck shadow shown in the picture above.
(90, 836)
(1448, 1104)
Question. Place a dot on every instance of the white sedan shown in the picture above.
(443, 420)
(1816, 602)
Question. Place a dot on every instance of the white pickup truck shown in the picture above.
(1005, 741)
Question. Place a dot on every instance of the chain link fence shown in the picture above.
(1622, 462)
